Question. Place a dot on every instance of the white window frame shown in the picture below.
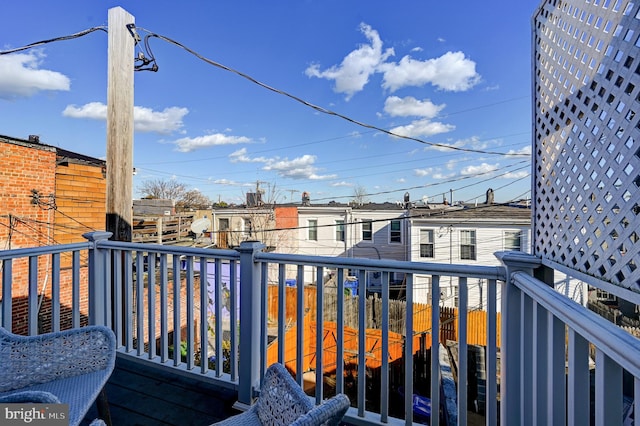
(427, 238)
(312, 225)
(468, 243)
(395, 233)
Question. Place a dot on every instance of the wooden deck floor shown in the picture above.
(139, 395)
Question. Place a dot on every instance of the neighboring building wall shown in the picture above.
(81, 201)
(69, 200)
(445, 239)
(340, 231)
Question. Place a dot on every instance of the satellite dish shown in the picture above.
(200, 225)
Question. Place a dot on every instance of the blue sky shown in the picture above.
(451, 74)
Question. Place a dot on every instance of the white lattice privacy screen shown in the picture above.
(587, 137)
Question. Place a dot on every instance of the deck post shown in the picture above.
(250, 309)
(511, 355)
(97, 278)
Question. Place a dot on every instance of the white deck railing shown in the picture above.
(150, 295)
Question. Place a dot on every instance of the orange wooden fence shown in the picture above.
(476, 329)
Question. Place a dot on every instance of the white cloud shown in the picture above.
(441, 40)
(206, 141)
(526, 150)
(240, 156)
(353, 73)
(227, 182)
(516, 175)
(422, 128)
(20, 76)
(299, 168)
(166, 121)
(410, 106)
(342, 184)
(483, 168)
(423, 172)
(92, 110)
(451, 72)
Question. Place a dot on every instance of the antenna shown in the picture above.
(199, 226)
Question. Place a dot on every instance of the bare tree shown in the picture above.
(163, 189)
(180, 193)
(194, 199)
(360, 196)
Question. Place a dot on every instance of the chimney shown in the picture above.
(34, 138)
(489, 196)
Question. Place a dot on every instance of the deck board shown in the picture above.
(140, 395)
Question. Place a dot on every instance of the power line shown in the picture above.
(313, 106)
(62, 38)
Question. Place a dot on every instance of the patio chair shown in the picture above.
(283, 402)
(69, 367)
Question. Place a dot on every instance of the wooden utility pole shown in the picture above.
(120, 125)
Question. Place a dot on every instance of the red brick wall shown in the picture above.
(77, 191)
(286, 217)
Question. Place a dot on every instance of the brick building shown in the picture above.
(48, 196)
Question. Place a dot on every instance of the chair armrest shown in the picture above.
(29, 360)
(37, 397)
(330, 412)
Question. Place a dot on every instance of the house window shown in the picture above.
(367, 234)
(340, 230)
(426, 243)
(313, 229)
(512, 240)
(248, 228)
(395, 232)
(223, 224)
(468, 245)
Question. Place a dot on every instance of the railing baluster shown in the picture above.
(118, 311)
(462, 349)
(556, 381)
(282, 306)
(7, 308)
(491, 387)
(578, 380)
(55, 292)
(164, 309)
(264, 275)
(217, 308)
(435, 343)
(233, 294)
(127, 288)
(408, 353)
(384, 379)
(319, 334)
(177, 302)
(75, 289)
(140, 302)
(608, 393)
(540, 367)
(204, 320)
(33, 296)
(151, 296)
(300, 314)
(190, 314)
(526, 361)
(362, 344)
(340, 336)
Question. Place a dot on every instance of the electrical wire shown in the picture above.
(63, 38)
(316, 107)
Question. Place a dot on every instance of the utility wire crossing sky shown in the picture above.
(419, 97)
